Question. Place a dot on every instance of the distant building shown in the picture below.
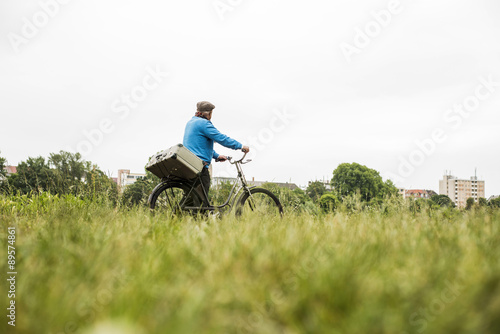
(125, 178)
(291, 186)
(327, 184)
(416, 193)
(419, 193)
(218, 180)
(459, 190)
(492, 197)
(10, 170)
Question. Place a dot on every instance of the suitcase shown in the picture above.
(177, 161)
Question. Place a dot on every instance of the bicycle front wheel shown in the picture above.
(173, 197)
(260, 201)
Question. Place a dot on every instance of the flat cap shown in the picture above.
(204, 106)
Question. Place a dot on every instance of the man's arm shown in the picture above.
(214, 134)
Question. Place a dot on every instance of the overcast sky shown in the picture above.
(409, 88)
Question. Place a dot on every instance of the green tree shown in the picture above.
(70, 174)
(315, 190)
(349, 179)
(442, 201)
(138, 192)
(292, 200)
(494, 203)
(300, 196)
(419, 204)
(482, 202)
(3, 172)
(99, 185)
(328, 202)
(69, 171)
(33, 175)
(469, 204)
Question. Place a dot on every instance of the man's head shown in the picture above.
(204, 109)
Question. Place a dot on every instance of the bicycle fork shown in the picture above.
(245, 186)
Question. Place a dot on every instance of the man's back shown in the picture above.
(199, 137)
(196, 141)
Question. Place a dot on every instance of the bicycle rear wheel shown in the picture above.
(260, 201)
(173, 197)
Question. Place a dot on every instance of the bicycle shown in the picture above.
(177, 196)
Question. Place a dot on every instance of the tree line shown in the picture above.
(352, 179)
(60, 173)
(69, 173)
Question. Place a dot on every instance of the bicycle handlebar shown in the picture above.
(237, 161)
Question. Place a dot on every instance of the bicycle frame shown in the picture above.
(233, 195)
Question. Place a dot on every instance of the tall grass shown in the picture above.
(87, 267)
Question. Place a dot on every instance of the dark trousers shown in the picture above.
(205, 181)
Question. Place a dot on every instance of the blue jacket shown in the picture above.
(200, 135)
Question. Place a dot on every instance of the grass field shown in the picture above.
(86, 267)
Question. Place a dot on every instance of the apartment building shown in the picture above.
(461, 189)
(126, 178)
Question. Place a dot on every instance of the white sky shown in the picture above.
(261, 57)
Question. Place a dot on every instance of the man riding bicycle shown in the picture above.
(199, 138)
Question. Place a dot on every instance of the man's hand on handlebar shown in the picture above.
(223, 158)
